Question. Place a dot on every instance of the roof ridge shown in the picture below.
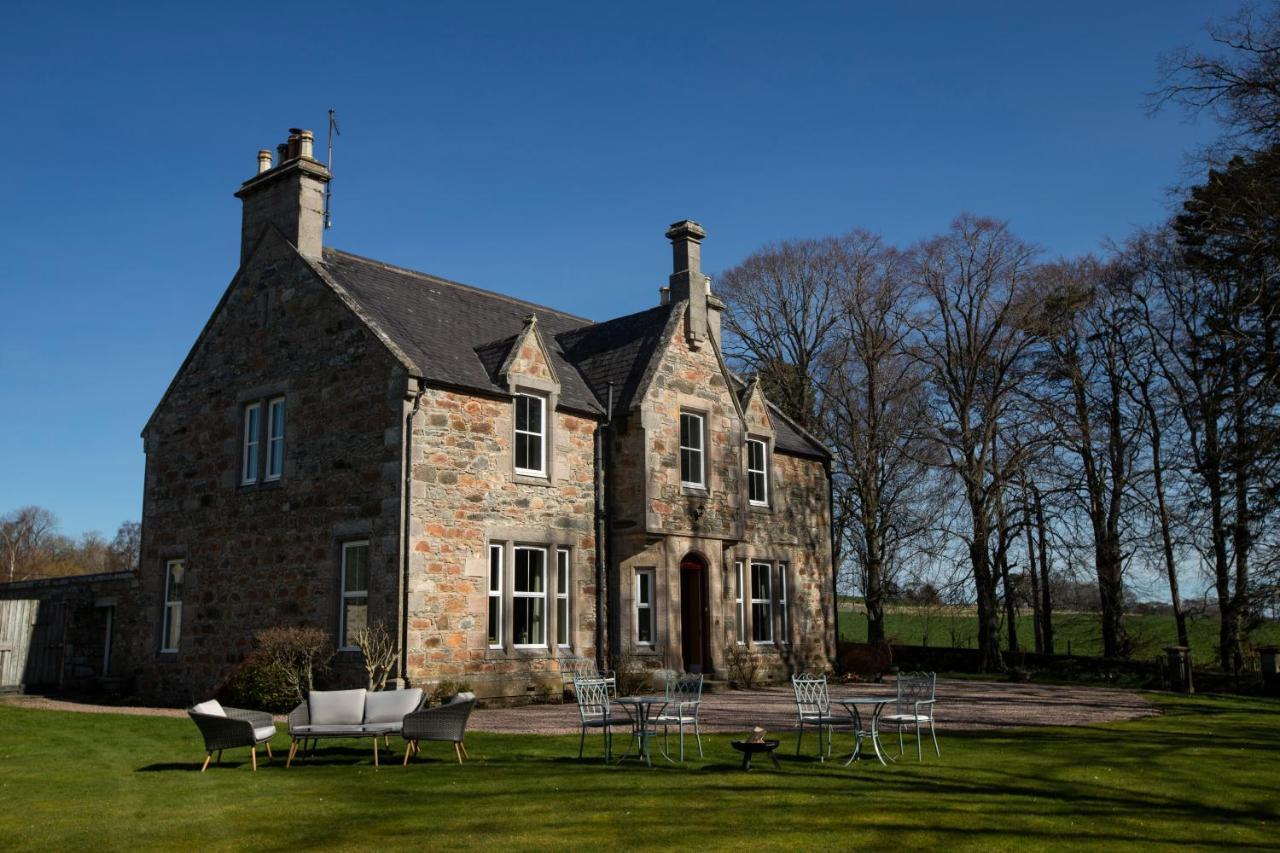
(458, 284)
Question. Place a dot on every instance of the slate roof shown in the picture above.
(458, 335)
(439, 324)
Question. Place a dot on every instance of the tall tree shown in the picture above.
(975, 346)
(24, 533)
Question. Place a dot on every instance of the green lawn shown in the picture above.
(1206, 773)
(959, 627)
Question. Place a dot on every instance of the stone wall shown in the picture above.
(465, 496)
(658, 521)
(269, 554)
(81, 619)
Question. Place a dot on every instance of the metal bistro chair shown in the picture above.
(579, 667)
(813, 708)
(595, 711)
(914, 708)
(684, 696)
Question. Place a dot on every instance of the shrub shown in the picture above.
(632, 675)
(379, 650)
(295, 654)
(260, 685)
(447, 689)
(744, 667)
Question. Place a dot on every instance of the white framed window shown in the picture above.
(174, 570)
(495, 596)
(354, 613)
(644, 607)
(739, 606)
(784, 612)
(251, 440)
(529, 597)
(275, 439)
(757, 472)
(562, 597)
(761, 603)
(692, 455)
(531, 435)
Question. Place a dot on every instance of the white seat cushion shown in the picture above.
(336, 707)
(904, 718)
(264, 732)
(390, 706)
(213, 708)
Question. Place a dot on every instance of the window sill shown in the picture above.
(531, 479)
(261, 486)
(694, 491)
(764, 509)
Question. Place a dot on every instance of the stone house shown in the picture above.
(500, 483)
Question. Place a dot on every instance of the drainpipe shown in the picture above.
(404, 535)
(604, 527)
(835, 570)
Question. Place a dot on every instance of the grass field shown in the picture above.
(959, 627)
(112, 782)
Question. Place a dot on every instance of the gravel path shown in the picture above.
(961, 705)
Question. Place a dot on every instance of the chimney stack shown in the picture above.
(288, 196)
(687, 280)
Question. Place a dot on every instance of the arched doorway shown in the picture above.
(695, 635)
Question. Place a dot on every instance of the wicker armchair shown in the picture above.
(447, 722)
(230, 728)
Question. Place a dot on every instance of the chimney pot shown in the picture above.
(306, 139)
(264, 160)
(282, 152)
(664, 296)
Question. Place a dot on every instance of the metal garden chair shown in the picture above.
(813, 708)
(914, 709)
(595, 711)
(684, 696)
(579, 667)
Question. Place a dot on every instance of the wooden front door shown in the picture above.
(694, 635)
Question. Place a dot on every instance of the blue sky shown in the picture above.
(536, 149)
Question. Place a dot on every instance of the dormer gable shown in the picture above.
(755, 410)
(528, 363)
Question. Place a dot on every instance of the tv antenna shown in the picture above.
(328, 188)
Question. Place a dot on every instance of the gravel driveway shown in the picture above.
(961, 705)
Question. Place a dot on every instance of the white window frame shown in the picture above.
(700, 450)
(517, 594)
(345, 594)
(645, 605)
(541, 470)
(275, 442)
(171, 605)
(564, 579)
(495, 636)
(762, 471)
(250, 443)
(741, 609)
(784, 613)
(766, 570)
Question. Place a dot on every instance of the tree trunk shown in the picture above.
(1033, 574)
(989, 659)
(873, 594)
(1046, 607)
(1162, 510)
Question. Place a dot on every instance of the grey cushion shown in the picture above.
(336, 707)
(213, 707)
(462, 697)
(264, 732)
(390, 706)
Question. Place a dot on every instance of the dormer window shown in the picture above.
(692, 456)
(757, 472)
(531, 435)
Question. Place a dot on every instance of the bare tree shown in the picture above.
(975, 347)
(24, 533)
(126, 547)
(1239, 83)
(877, 418)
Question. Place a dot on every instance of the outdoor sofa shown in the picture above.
(351, 714)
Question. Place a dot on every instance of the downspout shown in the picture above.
(604, 527)
(835, 570)
(406, 499)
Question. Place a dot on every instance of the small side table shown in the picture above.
(748, 748)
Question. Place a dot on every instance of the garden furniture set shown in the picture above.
(329, 714)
